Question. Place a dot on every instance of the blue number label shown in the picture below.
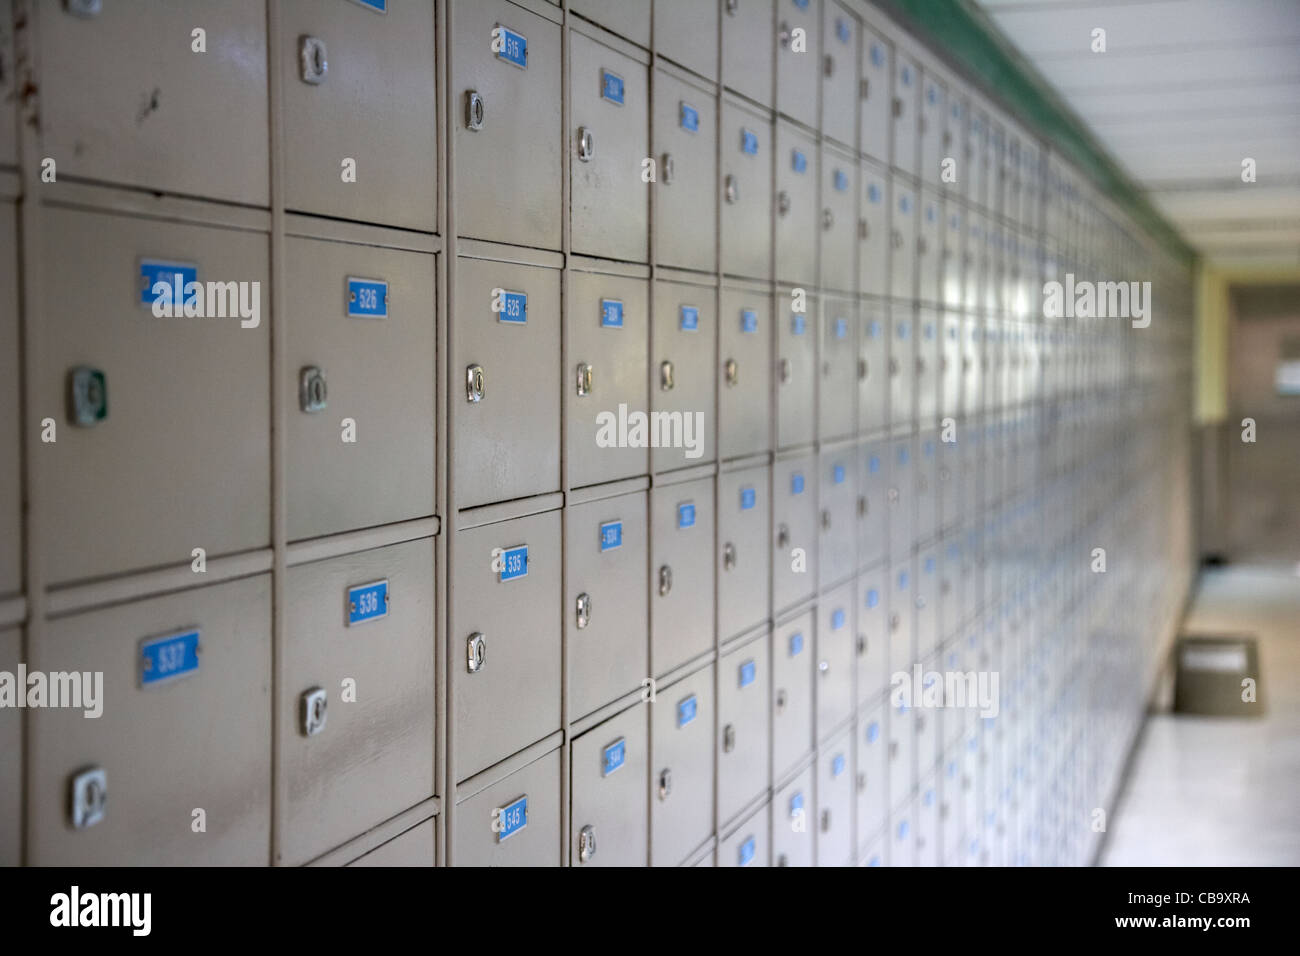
(873, 192)
(797, 324)
(687, 708)
(798, 161)
(367, 298)
(749, 142)
(841, 180)
(514, 563)
(748, 320)
(379, 6)
(748, 671)
(367, 602)
(514, 47)
(837, 619)
(837, 474)
(690, 118)
(175, 276)
(841, 328)
(685, 514)
(611, 87)
(747, 498)
(837, 765)
(796, 643)
(796, 804)
(611, 313)
(613, 757)
(690, 318)
(512, 819)
(611, 535)
(796, 483)
(512, 306)
(873, 597)
(167, 658)
(747, 851)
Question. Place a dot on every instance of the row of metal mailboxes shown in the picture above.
(345, 67)
(822, 660)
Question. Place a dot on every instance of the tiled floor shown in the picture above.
(1223, 791)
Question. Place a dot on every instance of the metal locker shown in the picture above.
(744, 729)
(902, 369)
(839, 74)
(686, 32)
(371, 340)
(684, 146)
(506, 119)
(607, 772)
(359, 110)
(838, 388)
(359, 628)
(749, 844)
(793, 656)
(992, 280)
(744, 559)
(837, 549)
(794, 530)
(799, 65)
(902, 615)
(8, 97)
(505, 635)
(835, 802)
(926, 602)
(927, 825)
(902, 751)
(629, 20)
(976, 152)
(609, 203)
(505, 424)
(871, 774)
(873, 503)
(744, 371)
(873, 367)
(954, 142)
(875, 96)
(681, 768)
(838, 220)
(836, 643)
(929, 248)
(792, 822)
(950, 366)
(906, 112)
(875, 237)
(605, 613)
(123, 107)
(975, 262)
(936, 139)
(175, 396)
(415, 847)
(903, 239)
(685, 356)
(514, 820)
(927, 480)
(745, 190)
(11, 745)
(796, 365)
(927, 366)
(607, 320)
(798, 217)
(681, 573)
(748, 41)
(11, 497)
(953, 256)
(972, 367)
(872, 635)
(196, 663)
(901, 496)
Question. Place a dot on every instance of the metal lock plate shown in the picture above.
(783, 202)
(728, 738)
(864, 229)
(87, 396)
(783, 536)
(732, 7)
(313, 60)
(862, 645)
(730, 189)
(897, 239)
(584, 378)
(665, 783)
(475, 109)
(826, 821)
(584, 610)
(586, 144)
(864, 369)
(826, 519)
(731, 370)
(894, 621)
(864, 89)
(586, 844)
(782, 699)
(786, 373)
(824, 668)
(828, 220)
(863, 507)
(828, 65)
(88, 797)
(666, 376)
(84, 8)
(728, 556)
(475, 652)
(665, 580)
(783, 35)
(898, 107)
(668, 169)
(782, 860)
(313, 709)
(862, 783)
(312, 390)
(475, 384)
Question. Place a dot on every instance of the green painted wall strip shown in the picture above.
(971, 42)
